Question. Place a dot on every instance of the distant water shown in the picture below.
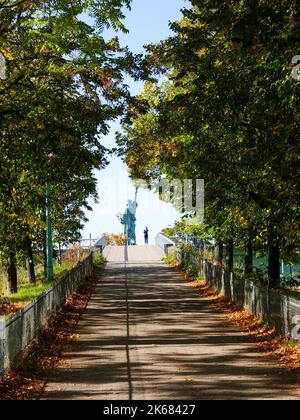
(262, 263)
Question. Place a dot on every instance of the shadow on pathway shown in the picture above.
(148, 335)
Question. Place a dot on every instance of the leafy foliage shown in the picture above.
(228, 112)
(64, 85)
(115, 239)
(201, 232)
(99, 260)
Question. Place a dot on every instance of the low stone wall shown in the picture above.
(279, 311)
(18, 332)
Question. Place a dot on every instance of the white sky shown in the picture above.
(148, 22)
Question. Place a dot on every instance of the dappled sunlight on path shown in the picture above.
(146, 334)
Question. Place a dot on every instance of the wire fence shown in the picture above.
(18, 332)
(277, 310)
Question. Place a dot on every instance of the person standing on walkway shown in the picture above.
(146, 236)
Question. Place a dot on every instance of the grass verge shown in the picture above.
(27, 379)
(28, 292)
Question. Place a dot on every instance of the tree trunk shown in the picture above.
(219, 252)
(12, 275)
(249, 258)
(229, 254)
(30, 263)
(274, 264)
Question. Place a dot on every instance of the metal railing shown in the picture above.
(18, 332)
(277, 310)
(164, 242)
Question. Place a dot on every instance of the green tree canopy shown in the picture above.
(64, 85)
(228, 113)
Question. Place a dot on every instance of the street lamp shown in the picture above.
(49, 243)
(49, 235)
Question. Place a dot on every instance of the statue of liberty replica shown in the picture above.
(128, 219)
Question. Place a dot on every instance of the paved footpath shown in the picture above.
(147, 334)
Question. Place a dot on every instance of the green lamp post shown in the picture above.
(49, 242)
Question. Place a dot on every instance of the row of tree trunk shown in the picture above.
(12, 273)
(273, 265)
(273, 261)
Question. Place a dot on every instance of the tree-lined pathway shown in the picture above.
(148, 335)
